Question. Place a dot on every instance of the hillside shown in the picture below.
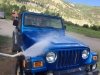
(78, 14)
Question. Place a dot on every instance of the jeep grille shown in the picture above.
(69, 58)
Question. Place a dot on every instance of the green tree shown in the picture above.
(6, 7)
(15, 7)
(23, 9)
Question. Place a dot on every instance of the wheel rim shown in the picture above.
(18, 70)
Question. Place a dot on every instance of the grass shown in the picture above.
(85, 31)
(4, 40)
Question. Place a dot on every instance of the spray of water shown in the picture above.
(32, 51)
(41, 46)
(37, 48)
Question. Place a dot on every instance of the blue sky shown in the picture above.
(86, 2)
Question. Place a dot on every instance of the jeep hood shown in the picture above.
(60, 40)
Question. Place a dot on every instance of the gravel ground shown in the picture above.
(7, 65)
(6, 27)
(93, 43)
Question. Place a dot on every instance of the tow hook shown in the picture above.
(50, 73)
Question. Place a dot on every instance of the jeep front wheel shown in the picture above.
(20, 69)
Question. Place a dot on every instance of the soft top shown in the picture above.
(41, 14)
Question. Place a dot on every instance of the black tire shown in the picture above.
(20, 69)
(90, 71)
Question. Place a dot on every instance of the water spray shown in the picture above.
(12, 56)
(33, 51)
(36, 49)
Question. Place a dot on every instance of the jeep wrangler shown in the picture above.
(66, 54)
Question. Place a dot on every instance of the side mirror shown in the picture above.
(15, 22)
(64, 27)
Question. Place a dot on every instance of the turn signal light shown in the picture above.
(95, 58)
(38, 64)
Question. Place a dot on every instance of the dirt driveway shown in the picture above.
(93, 43)
(6, 27)
(7, 65)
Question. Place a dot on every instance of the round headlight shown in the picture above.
(85, 54)
(51, 57)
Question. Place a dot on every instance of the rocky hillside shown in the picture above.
(78, 14)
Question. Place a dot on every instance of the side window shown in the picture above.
(19, 24)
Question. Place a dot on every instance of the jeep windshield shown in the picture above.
(42, 21)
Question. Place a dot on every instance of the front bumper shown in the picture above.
(77, 71)
(95, 72)
(46, 67)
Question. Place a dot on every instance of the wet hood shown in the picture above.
(60, 39)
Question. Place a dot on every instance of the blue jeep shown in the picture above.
(65, 54)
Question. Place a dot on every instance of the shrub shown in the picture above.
(94, 27)
(86, 26)
(68, 23)
(99, 28)
(76, 25)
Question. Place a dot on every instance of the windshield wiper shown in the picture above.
(50, 27)
(32, 25)
(42, 26)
